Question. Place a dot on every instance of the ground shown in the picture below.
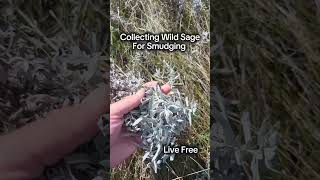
(193, 67)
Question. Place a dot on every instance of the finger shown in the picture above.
(127, 104)
(150, 84)
(96, 102)
(115, 129)
(166, 88)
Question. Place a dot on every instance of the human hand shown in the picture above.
(26, 152)
(122, 147)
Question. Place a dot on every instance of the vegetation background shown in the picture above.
(158, 16)
(50, 56)
(265, 73)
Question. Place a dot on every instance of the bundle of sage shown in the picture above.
(160, 118)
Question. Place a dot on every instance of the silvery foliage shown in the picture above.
(230, 154)
(169, 74)
(180, 8)
(160, 118)
(103, 124)
(123, 84)
(196, 4)
(42, 85)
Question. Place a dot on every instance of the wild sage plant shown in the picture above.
(160, 118)
(196, 4)
(231, 154)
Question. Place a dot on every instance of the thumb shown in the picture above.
(127, 104)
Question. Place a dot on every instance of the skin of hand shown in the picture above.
(26, 152)
(122, 147)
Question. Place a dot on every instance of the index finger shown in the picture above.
(165, 88)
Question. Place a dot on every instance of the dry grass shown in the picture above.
(162, 16)
(267, 60)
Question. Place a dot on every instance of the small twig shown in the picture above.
(191, 174)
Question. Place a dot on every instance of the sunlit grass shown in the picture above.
(193, 67)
